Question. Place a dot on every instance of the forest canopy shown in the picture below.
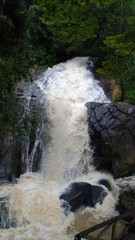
(45, 32)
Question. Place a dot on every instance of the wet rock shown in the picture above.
(112, 134)
(9, 163)
(5, 217)
(116, 90)
(112, 89)
(33, 122)
(22, 146)
(106, 183)
(80, 195)
(4, 213)
(126, 201)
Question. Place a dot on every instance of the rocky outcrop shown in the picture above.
(126, 202)
(112, 134)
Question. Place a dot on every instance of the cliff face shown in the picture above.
(22, 145)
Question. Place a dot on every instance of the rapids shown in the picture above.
(33, 205)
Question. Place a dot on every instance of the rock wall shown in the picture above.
(22, 146)
(112, 134)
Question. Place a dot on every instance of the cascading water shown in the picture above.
(68, 87)
(33, 203)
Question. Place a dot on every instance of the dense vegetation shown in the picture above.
(45, 32)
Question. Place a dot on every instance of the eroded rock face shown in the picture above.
(112, 134)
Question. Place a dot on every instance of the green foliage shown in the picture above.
(128, 81)
(13, 26)
(70, 21)
(15, 53)
(44, 32)
(76, 27)
(41, 38)
(73, 22)
(121, 51)
(124, 44)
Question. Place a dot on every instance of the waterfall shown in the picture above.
(33, 203)
(67, 87)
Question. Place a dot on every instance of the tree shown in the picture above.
(13, 25)
(121, 47)
(15, 51)
(73, 23)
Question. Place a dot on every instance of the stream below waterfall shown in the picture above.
(31, 208)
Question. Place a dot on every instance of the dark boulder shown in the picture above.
(112, 134)
(81, 195)
(126, 201)
(106, 183)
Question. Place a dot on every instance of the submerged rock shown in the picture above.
(112, 134)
